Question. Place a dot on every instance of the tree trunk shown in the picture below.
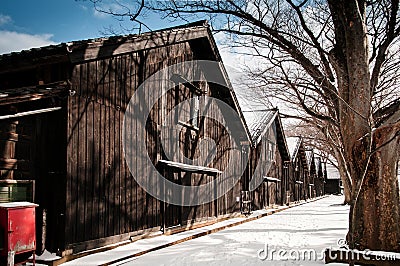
(344, 176)
(346, 187)
(374, 217)
(374, 213)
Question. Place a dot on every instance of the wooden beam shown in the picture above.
(31, 93)
(271, 179)
(39, 111)
(179, 79)
(190, 168)
(188, 125)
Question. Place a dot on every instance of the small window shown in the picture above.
(194, 111)
(270, 151)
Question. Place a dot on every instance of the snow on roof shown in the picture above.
(257, 121)
(309, 155)
(293, 145)
(332, 172)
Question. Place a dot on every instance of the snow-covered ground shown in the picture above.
(294, 234)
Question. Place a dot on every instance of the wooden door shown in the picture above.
(172, 214)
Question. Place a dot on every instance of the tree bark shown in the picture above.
(377, 223)
(374, 212)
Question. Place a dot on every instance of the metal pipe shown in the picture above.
(39, 111)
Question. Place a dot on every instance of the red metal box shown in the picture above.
(17, 228)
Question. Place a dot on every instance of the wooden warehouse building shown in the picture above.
(299, 169)
(319, 181)
(333, 184)
(268, 167)
(62, 110)
(312, 171)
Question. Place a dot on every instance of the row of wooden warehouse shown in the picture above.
(61, 143)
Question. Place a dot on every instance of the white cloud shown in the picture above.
(11, 41)
(4, 19)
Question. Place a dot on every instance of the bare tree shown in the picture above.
(134, 10)
(337, 60)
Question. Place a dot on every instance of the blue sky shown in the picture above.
(31, 23)
(25, 24)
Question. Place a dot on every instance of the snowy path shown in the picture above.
(296, 231)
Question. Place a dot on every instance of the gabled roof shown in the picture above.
(83, 50)
(293, 146)
(309, 156)
(76, 52)
(296, 148)
(259, 122)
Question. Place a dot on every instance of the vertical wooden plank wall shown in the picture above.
(268, 193)
(102, 197)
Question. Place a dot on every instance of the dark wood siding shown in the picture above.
(267, 162)
(102, 197)
(75, 155)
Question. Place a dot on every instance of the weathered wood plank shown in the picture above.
(107, 170)
(70, 201)
(97, 50)
(80, 173)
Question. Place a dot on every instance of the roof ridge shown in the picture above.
(65, 45)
